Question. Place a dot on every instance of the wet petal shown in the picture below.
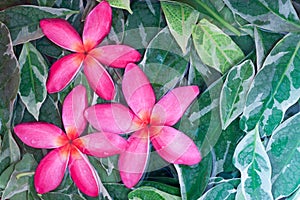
(97, 25)
(172, 106)
(133, 161)
(138, 91)
(63, 71)
(98, 78)
(41, 135)
(116, 55)
(73, 112)
(102, 144)
(113, 118)
(51, 170)
(57, 30)
(83, 173)
(174, 146)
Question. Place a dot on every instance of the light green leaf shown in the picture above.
(215, 48)
(123, 4)
(277, 16)
(180, 18)
(284, 152)
(146, 192)
(234, 91)
(295, 196)
(222, 191)
(253, 162)
(33, 79)
(23, 21)
(275, 88)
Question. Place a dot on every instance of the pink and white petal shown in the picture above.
(102, 144)
(98, 78)
(174, 146)
(63, 71)
(133, 162)
(97, 25)
(51, 170)
(62, 33)
(115, 55)
(83, 173)
(41, 135)
(113, 118)
(73, 109)
(172, 106)
(138, 91)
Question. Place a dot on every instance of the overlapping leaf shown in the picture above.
(275, 88)
(147, 192)
(284, 152)
(124, 4)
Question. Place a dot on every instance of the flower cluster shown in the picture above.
(145, 119)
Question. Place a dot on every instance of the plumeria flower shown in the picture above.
(97, 25)
(69, 149)
(149, 121)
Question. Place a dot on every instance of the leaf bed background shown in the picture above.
(243, 55)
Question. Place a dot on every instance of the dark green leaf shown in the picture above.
(146, 192)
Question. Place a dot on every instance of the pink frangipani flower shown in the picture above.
(69, 148)
(97, 25)
(149, 121)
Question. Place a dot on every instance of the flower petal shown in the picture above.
(62, 33)
(113, 118)
(174, 146)
(98, 78)
(172, 106)
(41, 135)
(97, 25)
(83, 173)
(138, 91)
(102, 144)
(116, 55)
(73, 112)
(63, 71)
(133, 161)
(51, 170)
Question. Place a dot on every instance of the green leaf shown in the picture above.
(162, 186)
(215, 48)
(253, 162)
(123, 4)
(295, 196)
(50, 112)
(180, 18)
(9, 78)
(5, 176)
(117, 191)
(275, 88)
(277, 16)
(23, 21)
(222, 191)
(284, 152)
(33, 79)
(233, 94)
(19, 180)
(48, 3)
(146, 192)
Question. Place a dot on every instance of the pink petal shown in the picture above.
(102, 144)
(63, 71)
(83, 173)
(115, 55)
(113, 118)
(62, 33)
(73, 112)
(41, 135)
(98, 78)
(51, 170)
(173, 105)
(133, 161)
(138, 91)
(97, 25)
(174, 146)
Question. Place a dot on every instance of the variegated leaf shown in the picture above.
(284, 152)
(180, 18)
(234, 91)
(147, 192)
(222, 191)
(278, 16)
(251, 159)
(215, 48)
(123, 4)
(275, 88)
(33, 79)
